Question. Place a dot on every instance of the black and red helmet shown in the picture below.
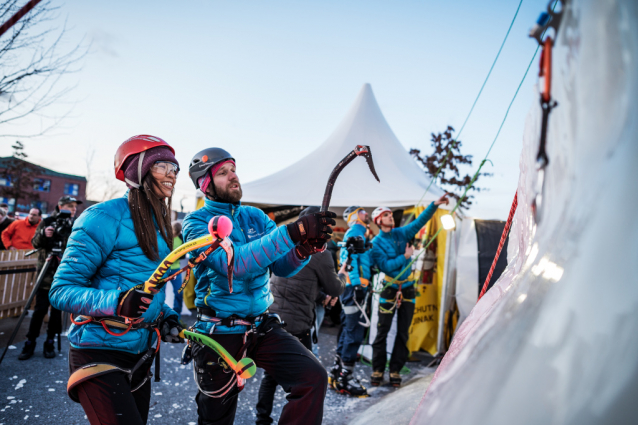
(204, 161)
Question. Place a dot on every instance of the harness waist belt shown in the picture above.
(204, 315)
(118, 322)
(389, 279)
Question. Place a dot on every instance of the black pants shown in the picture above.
(268, 386)
(283, 357)
(400, 351)
(107, 399)
(41, 309)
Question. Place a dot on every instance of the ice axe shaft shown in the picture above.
(360, 150)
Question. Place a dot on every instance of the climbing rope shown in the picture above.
(506, 231)
(453, 145)
(469, 185)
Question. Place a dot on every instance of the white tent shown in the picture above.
(403, 183)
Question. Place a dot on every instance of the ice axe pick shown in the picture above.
(360, 150)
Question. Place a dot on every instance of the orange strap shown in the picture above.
(546, 69)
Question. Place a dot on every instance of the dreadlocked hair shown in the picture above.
(147, 209)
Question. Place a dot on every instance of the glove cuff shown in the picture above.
(294, 232)
(299, 254)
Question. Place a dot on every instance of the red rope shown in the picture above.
(506, 230)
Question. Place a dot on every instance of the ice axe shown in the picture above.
(360, 150)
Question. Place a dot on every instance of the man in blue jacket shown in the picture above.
(239, 320)
(354, 321)
(392, 253)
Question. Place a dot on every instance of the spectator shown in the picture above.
(20, 233)
(295, 303)
(5, 221)
(44, 240)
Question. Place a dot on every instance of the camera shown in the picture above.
(63, 225)
(354, 245)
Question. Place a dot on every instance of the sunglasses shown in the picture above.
(165, 168)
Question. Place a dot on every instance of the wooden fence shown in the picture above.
(17, 276)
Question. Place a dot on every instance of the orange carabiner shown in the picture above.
(546, 69)
(110, 332)
(79, 323)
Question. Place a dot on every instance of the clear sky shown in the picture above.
(270, 80)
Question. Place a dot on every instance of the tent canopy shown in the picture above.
(403, 182)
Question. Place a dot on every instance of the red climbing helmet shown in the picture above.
(135, 145)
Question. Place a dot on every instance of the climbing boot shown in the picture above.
(348, 384)
(333, 373)
(27, 350)
(395, 379)
(376, 378)
(49, 349)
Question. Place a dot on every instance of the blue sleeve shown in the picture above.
(289, 265)
(91, 241)
(413, 228)
(385, 263)
(250, 258)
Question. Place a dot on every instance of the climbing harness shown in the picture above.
(506, 231)
(398, 298)
(93, 370)
(244, 368)
(357, 308)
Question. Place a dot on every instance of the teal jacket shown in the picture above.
(261, 248)
(388, 248)
(360, 262)
(102, 259)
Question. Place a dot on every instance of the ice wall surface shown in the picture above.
(556, 340)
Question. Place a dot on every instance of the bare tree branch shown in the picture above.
(33, 66)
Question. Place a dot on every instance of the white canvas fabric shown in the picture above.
(403, 182)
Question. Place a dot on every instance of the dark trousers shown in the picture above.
(108, 400)
(41, 309)
(268, 386)
(400, 351)
(351, 337)
(283, 357)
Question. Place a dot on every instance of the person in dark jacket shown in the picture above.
(44, 241)
(294, 302)
(5, 221)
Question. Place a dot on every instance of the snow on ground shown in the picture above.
(35, 390)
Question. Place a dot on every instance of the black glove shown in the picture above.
(309, 247)
(312, 226)
(170, 329)
(134, 302)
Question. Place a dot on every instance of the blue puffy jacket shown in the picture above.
(260, 248)
(101, 260)
(388, 248)
(360, 262)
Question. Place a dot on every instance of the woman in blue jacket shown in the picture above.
(115, 246)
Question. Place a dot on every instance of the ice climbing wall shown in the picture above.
(556, 340)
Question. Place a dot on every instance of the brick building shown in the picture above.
(48, 185)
